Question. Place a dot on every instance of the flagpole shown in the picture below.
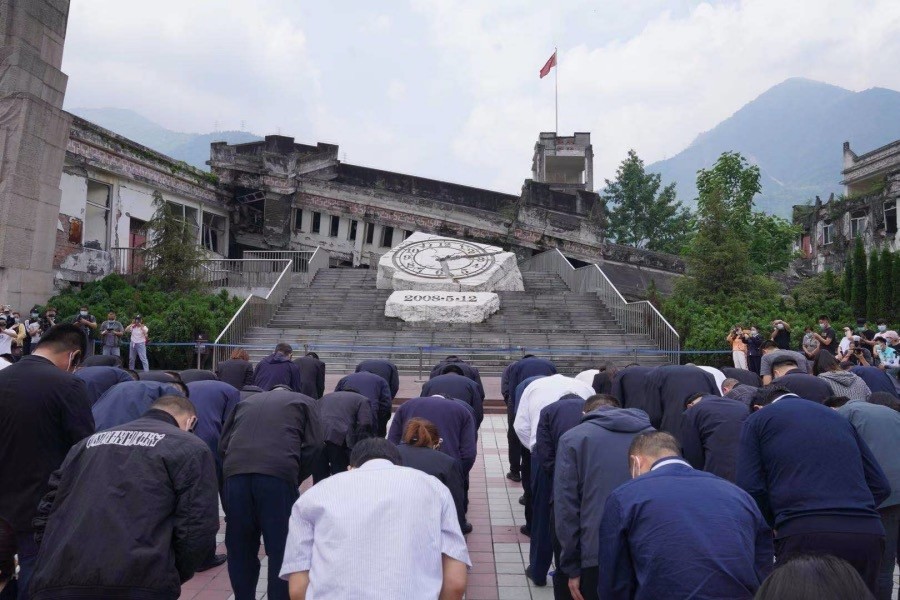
(556, 89)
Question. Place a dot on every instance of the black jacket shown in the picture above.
(346, 418)
(312, 376)
(384, 369)
(468, 370)
(445, 468)
(710, 435)
(44, 411)
(192, 375)
(628, 386)
(743, 376)
(235, 371)
(602, 383)
(131, 514)
(805, 385)
(453, 385)
(666, 390)
(277, 433)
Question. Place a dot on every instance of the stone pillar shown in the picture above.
(33, 135)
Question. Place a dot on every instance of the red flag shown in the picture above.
(549, 65)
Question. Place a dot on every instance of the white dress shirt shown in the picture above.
(718, 375)
(588, 376)
(540, 393)
(376, 532)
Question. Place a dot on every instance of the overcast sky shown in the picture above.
(449, 89)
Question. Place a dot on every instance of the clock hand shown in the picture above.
(446, 269)
(459, 256)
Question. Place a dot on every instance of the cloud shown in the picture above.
(396, 90)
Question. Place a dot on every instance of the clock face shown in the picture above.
(442, 259)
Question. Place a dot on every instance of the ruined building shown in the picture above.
(867, 210)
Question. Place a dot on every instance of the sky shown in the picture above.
(449, 89)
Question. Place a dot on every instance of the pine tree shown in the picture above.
(885, 283)
(173, 255)
(895, 299)
(858, 293)
(847, 289)
(873, 294)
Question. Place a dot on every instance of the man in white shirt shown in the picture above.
(540, 393)
(378, 531)
(139, 335)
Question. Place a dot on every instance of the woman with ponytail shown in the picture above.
(419, 450)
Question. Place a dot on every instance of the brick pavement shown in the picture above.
(499, 552)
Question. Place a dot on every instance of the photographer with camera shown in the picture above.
(139, 338)
(111, 332)
(736, 338)
(86, 322)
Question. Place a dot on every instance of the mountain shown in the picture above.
(192, 148)
(794, 132)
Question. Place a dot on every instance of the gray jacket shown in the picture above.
(845, 383)
(879, 428)
(591, 461)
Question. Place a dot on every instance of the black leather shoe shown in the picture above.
(217, 560)
(522, 499)
(466, 528)
(514, 477)
(524, 530)
(530, 576)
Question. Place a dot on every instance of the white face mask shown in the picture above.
(882, 328)
(753, 332)
(780, 326)
(83, 313)
(822, 325)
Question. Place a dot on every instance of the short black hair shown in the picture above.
(284, 348)
(597, 400)
(374, 448)
(814, 577)
(66, 337)
(767, 393)
(824, 318)
(528, 356)
(654, 443)
(768, 344)
(313, 354)
(784, 360)
(825, 362)
(177, 404)
(692, 397)
(452, 369)
(178, 382)
(881, 322)
(836, 401)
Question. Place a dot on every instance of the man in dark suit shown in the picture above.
(384, 369)
(45, 412)
(710, 434)
(346, 419)
(312, 375)
(807, 386)
(528, 366)
(628, 385)
(468, 370)
(454, 384)
(376, 389)
(742, 375)
(666, 390)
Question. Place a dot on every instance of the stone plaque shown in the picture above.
(442, 306)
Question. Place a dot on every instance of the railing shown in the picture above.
(640, 318)
(241, 272)
(129, 261)
(306, 262)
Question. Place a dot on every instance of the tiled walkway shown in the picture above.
(499, 552)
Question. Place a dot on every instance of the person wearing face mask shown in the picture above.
(140, 335)
(87, 323)
(828, 338)
(664, 533)
(152, 474)
(45, 412)
(781, 334)
(33, 329)
(8, 335)
(754, 348)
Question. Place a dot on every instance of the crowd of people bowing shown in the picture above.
(676, 481)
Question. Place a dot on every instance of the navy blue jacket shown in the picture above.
(522, 369)
(555, 420)
(592, 460)
(666, 390)
(454, 420)
(214, 401)
(373, 387)
(504, 383)
(809, 471)
(711, 432)
(460, 387)
(384, 369)
(127, 401)
(667, 534)
(468, 370)
(876, 379)
(629, 384)
(277, 369)
(99, 379)
(743, 376)
(805, 385)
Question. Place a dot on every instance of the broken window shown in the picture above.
(317, 222)
(387, 237)
(406, 233)
(189, 215)
(827, 233)
(96, 216)
(298, 219)
(351, 235)
(890, 216)
(857, 225)
(335, 226)
(214, 233)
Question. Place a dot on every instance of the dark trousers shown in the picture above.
(754, 363)
(383, 419)
(890, 518)
(515, 446)
(333, 459)
(21, 543)
(257, 504)
(540, 552)
(862, 550)
(526, 485)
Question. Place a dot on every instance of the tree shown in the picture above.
(873, 293)
(858, 292)
(771, 240)
(885, 283)
(719, 252)
(640, 213)
(847, 282)
(172, 255)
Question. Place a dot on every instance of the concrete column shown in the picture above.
(33, 135)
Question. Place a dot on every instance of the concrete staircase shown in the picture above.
(341, 317)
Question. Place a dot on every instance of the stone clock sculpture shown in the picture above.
(441, 280)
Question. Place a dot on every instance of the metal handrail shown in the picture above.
(641, 317)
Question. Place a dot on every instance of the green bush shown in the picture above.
(170, 316)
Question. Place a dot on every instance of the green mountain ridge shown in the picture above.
(794, 132)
